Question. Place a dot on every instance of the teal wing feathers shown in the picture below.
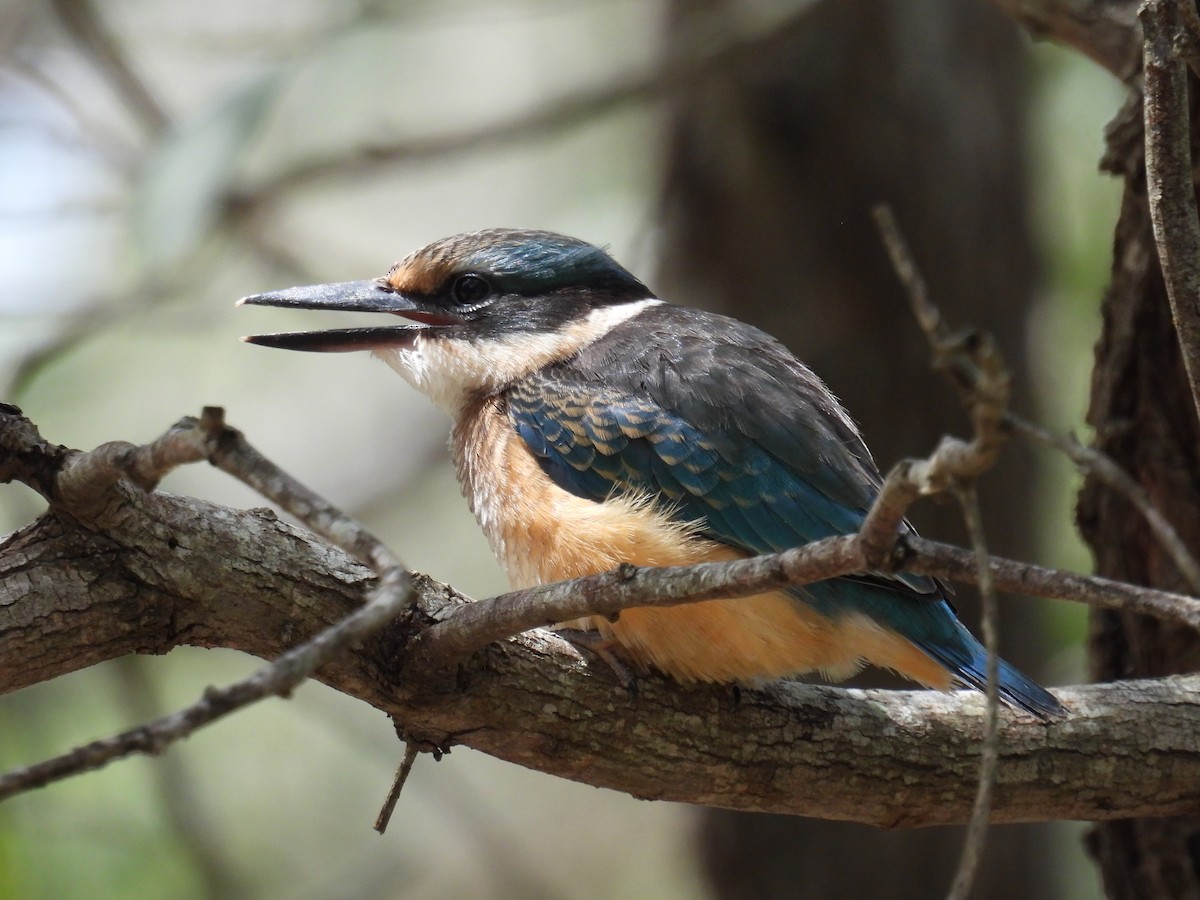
(726, 429)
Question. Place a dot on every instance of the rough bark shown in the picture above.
(1105, 31)
(168, 570)
(1143, 412)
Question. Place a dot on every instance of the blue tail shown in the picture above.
(967, 659)
(929, 622)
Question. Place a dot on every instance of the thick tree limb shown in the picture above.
(900, 758)
(166, 571)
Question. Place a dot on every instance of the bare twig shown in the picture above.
(1103, 30)
(998, 419)
(391, 596)
(968, 358)
(87, 477)
(974, 365)
(885, 519)
(973, 373)
(955, 564)
(182, 804)
(1105, 469)
(928, 316)
(234, 455)
(464, 629)
(989, 752)
(393, 794)
(83, 487)
(1169, 185)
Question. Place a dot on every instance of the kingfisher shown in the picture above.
(595, 424)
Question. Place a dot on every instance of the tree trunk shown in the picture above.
(1144, 417)
(771, 177)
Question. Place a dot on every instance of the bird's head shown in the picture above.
(482, 310)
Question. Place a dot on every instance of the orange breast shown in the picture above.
(543, 534)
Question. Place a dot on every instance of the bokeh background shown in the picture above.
(160, 159)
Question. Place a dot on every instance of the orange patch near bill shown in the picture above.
(421, 272)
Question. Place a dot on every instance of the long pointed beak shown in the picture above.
(355, 296)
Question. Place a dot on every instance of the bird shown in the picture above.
(594, 424)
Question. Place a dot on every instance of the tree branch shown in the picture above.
(1105, 31)
(165, 571)
(1104, 469)
(902, 758)
(90, 488)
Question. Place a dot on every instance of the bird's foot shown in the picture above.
(596, 644)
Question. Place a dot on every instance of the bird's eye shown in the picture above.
(468, 290)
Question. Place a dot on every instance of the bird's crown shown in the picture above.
(467, 269)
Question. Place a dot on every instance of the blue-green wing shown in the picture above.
(733, 433)
(739, 437)
(612, 443)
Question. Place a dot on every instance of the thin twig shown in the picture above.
(972, 374)
(928, 316)
(391, 596)
(1102, 30)
(989, 753)
(237, 457)
(393, 794)
(181, 802)
(968, 358)
(1105, 469)
(1169, 185)
(471, 626)
(999, 417)
(885, 519)
(82, 486)
(974, 365)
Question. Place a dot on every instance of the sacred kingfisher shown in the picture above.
(595, 424)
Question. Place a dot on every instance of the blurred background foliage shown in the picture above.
(159, 160)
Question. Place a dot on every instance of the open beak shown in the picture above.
(356, 296)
